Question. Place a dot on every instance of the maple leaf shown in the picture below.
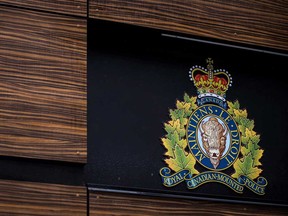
(185, 106)
(178, 114)
(247, 123)
(257, 156)
(182, 161)
(255, 139)
(254, 150)
(169, 146)
(174, 126)
(240, 115)
(191, 101)
(187, 98)
(245, 167)
(250, 135)
(182, 143)
(174, 137)
(174, 114)
(232, 106)
(242, 131)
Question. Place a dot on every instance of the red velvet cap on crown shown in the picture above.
(210, 82)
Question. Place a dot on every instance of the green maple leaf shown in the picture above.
(232, 106)
(247, 123)
(184, 110)
(174, 137)
(255, 139)
(174, 114)
(182, 143)
(245, 167)
(187, 98)
(182, 161)
(178, 114)
(170, 144)
(174, 126)
(242, 131)
(191, 100)
(240, 115)
(249, 135)
(185, 106)
(255, 152)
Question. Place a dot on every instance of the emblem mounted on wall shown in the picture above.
(211, 133)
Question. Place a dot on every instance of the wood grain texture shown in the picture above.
(27, 198)
(70, 7)
(131, 205)
(42, 85)
(261, 22)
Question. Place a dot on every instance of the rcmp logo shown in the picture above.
(210, 134)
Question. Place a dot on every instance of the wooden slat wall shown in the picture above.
(35, 199)
(42, 85)
(43, 91)
(129, 205)
(71, 7)
(261, 22)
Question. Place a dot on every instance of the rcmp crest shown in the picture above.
(210, 139)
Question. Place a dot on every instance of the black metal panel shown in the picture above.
(44, 171)
(135, 75)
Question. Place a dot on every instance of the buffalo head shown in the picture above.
(213, 136)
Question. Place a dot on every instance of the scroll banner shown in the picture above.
(209, 99)
(192, 182)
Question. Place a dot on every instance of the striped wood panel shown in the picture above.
(71, 7)
(42, 85)
(261, 22)
(129, 205)
(35, 199)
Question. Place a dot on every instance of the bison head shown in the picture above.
(213, 136)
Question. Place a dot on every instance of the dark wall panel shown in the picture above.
(263, 23)
(130, 205)
(71, 7)
(27, 198)
(42, 85)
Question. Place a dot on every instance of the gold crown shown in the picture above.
(210, 82)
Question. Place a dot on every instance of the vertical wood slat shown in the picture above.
(102, 203)
(27, 198)
(42, 85)
(70, 7)
(263, 23)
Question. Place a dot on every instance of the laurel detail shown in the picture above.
(251, 152)
(178, 157)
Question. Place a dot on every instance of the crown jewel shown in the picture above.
(210, 82)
